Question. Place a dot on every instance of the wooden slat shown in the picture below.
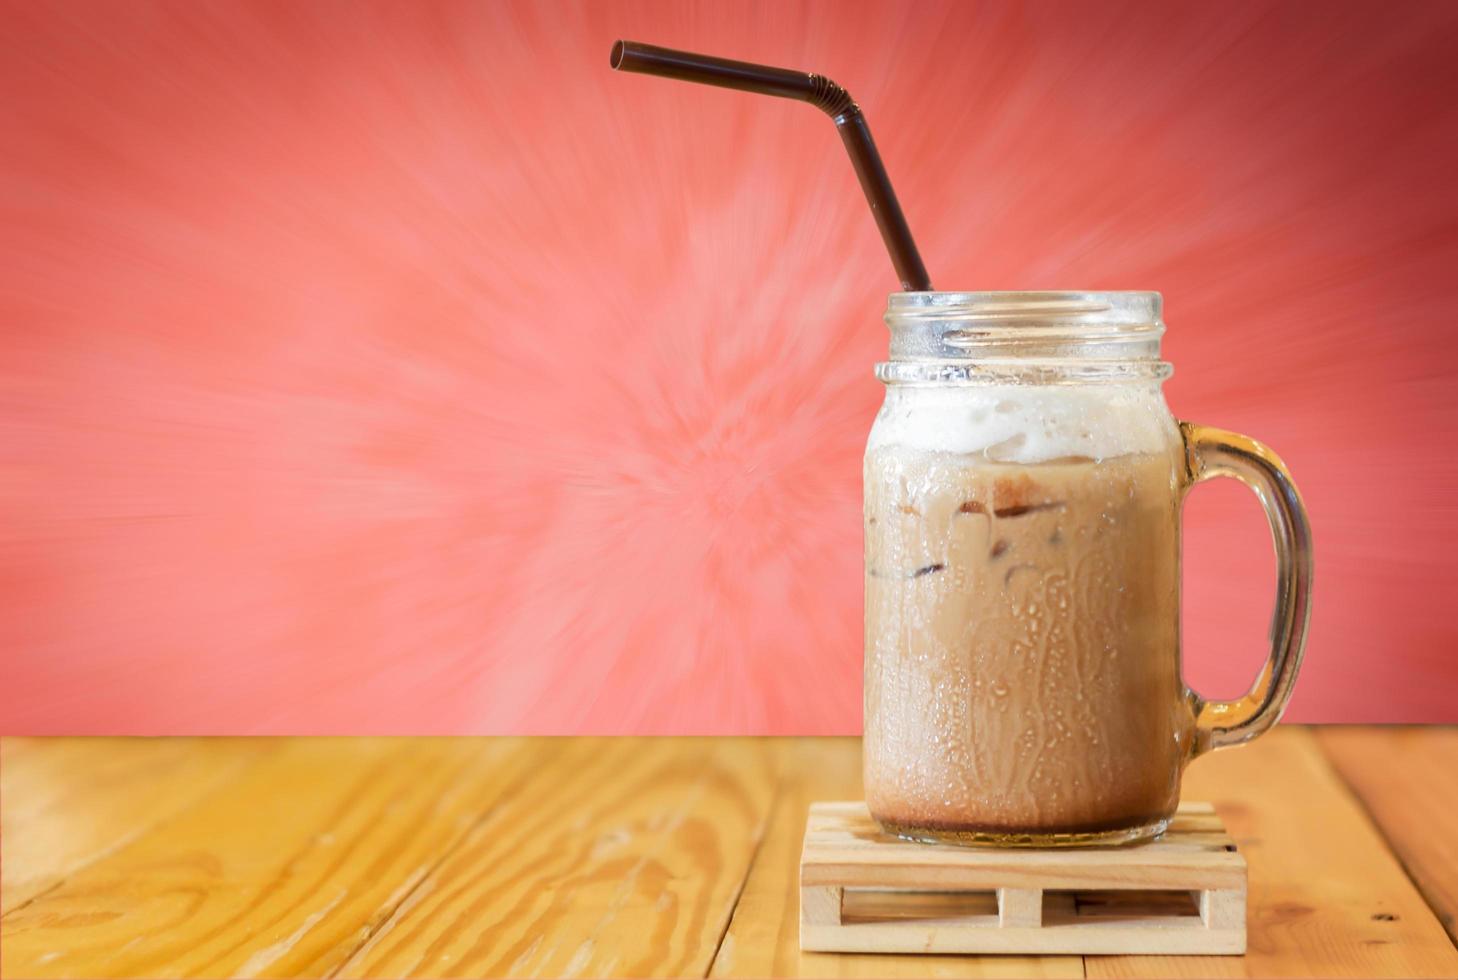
(283, 871)
(1407, 778)
(1143, 936)
(625, 862)
(65, 803)
(845, 847)
(1327, 898)
(763, 938)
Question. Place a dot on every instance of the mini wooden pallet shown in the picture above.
(862, 891)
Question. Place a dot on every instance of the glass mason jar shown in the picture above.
(1023, 485)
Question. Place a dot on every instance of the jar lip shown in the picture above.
(1024, 337)
(1019, 308)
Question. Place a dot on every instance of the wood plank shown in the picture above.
(66, 803)
(763, 937)
(284, 871)
(625, 862)
(845, 847)
(1407, 778)
(1327, 897)
(1143, 937)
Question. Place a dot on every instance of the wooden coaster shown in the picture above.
(862, 891)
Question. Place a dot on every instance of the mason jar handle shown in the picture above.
(1215, 452)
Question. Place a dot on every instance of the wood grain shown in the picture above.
(763, 938)
(1327, 897)
(624, 857)
(282, 872)
(1407, 778)
(70, 802)
(657, 857)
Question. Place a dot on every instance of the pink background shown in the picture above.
(399, 368)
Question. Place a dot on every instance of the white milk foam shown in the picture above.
(1026, 424)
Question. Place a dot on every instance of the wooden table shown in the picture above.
(629, 857)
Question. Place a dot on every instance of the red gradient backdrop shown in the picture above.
(380, 367)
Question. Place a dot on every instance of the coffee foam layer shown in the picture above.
(1025, 424)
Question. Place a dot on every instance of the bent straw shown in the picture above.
(820, 92)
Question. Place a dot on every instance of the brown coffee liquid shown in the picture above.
(1022, 636)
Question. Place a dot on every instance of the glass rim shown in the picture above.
(1024, 337)
(1026, 308)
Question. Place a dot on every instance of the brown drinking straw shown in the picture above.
(820, 92)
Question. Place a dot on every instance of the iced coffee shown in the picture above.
(1022, 619)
